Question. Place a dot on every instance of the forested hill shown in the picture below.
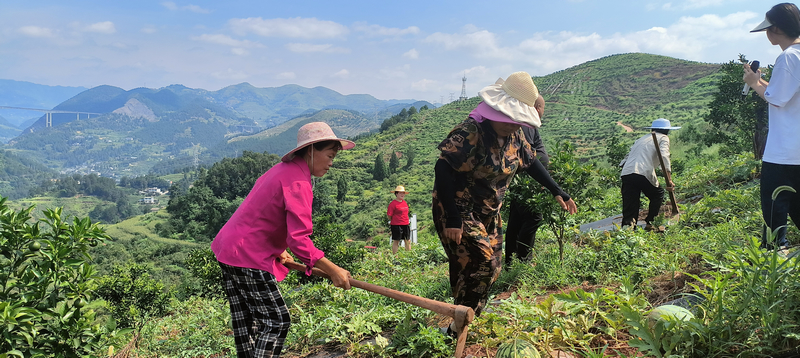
(282, 138)
(584, 104)
(271, 106)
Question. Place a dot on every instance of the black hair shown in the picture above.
(786, 17)
(325, 144)
(661, 130)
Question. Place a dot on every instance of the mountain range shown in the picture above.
(164, 130)
(116, 132)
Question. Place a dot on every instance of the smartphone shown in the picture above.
(754, 67)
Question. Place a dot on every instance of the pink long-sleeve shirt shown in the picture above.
(275, 215)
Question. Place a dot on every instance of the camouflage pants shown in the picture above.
(475, 263)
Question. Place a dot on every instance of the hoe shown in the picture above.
(462, 315)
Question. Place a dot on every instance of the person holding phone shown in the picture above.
(781, 160)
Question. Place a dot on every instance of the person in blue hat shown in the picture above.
(639, 174)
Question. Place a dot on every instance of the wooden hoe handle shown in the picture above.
(666, 175)
(462, 315)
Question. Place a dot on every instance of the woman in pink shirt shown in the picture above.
(251, 247)
(398, 213)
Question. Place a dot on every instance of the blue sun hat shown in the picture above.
(661, 123)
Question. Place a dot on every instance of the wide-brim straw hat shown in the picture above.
(400, 188)
(514, 97)
(312, 133)
(661, 123)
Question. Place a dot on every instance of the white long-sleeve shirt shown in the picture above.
(643, 158)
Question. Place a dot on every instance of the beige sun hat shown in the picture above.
(312, 133)
(400, 188)
(514, 97)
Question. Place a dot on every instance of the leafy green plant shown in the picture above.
(133, 295)
(206, 271)
(576, 178)
(46, 281)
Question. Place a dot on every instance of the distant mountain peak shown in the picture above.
(135, 109)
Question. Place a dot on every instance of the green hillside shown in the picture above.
(594, 296)
(18, 174)
(283, 137)
(632, 89)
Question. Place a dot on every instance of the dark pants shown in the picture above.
(787, 203)
(400, 232)
(632, 186)
(259, 315)
(520, 232)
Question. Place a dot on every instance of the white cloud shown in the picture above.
(700, 38)
(239, 51)
(697, 4)
(377, 30)
(170, 5)
(193, 8)
(230, 74)
(394, 73)
(324, 48)
(226, 40)
(341, 74)
(425, 85)
(36, 31)
(286, 76)
(149, 29)
(197, 9)
(480, 41)
(105, 27)
(306, 28)
(412, 54)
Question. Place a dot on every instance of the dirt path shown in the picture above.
(627, 129)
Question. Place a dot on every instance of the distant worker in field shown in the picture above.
(639, 175)
(398, 215)
(478, 159)
(251, 247)
(781, 161)
(520, 232)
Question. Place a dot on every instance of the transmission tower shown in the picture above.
(463, 88)
(195, 149)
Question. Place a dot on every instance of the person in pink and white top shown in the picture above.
(251, 247)
(398, 214)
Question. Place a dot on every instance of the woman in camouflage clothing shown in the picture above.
(478, 160)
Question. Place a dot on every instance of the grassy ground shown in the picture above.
(592, 303)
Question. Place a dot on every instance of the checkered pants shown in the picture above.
(259, 314)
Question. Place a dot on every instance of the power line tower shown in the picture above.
(463, 88)
(196, 159)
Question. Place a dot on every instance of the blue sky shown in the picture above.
(391, 50)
